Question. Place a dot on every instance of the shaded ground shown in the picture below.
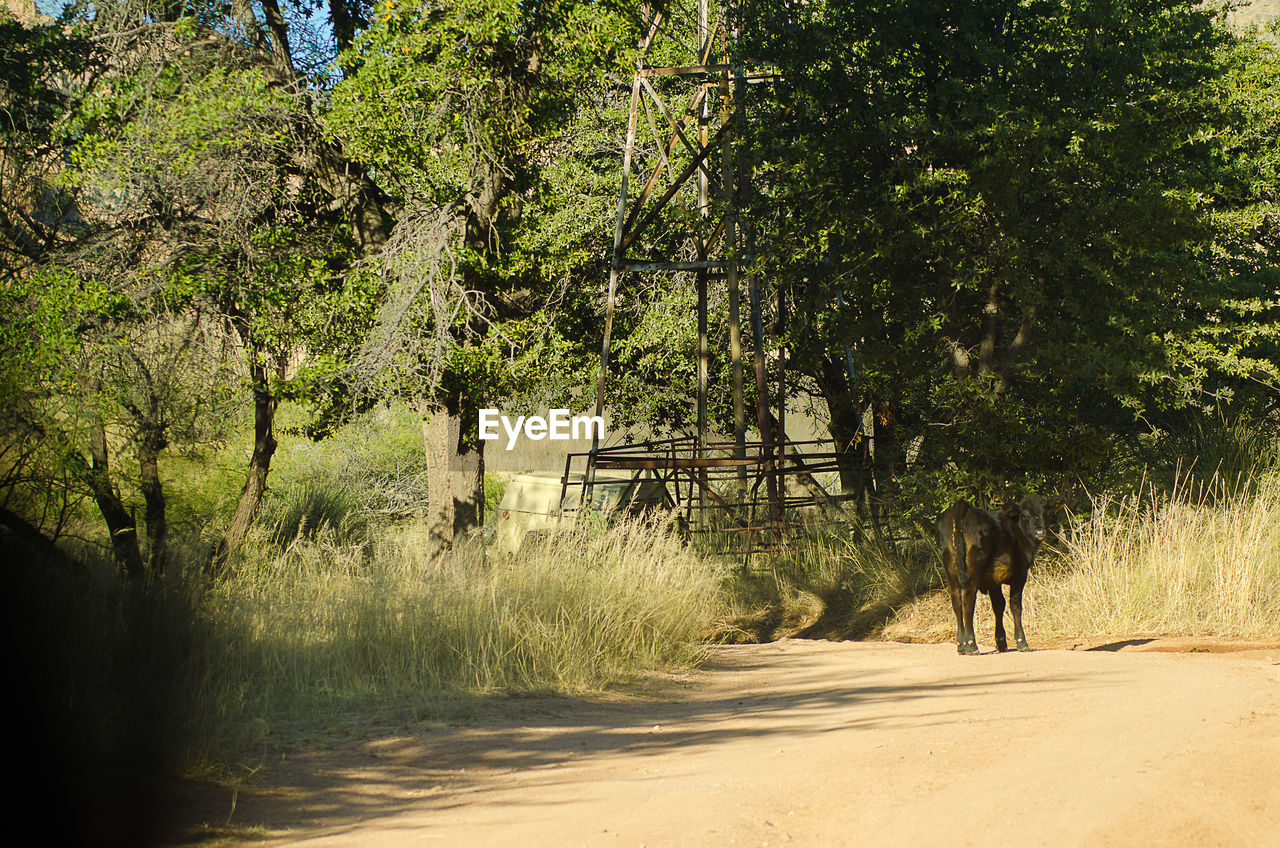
(820, 743)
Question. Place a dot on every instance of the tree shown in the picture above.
(203, 195)
(1002, 220)
(479, 94)
(220, 179)
(38, 218)
(37, 214)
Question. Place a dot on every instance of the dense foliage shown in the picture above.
(1020, 234)
(1022, 243)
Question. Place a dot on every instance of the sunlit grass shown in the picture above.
(322, 627)
(1207, 564)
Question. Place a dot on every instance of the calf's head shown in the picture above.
(1029, 513)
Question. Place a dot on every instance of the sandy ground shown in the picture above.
(806, 743)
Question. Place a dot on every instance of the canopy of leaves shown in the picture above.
(1011, 217)
(465, 113)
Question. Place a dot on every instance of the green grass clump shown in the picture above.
(494, 488)
(311, 506)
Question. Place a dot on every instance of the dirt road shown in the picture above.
(802, 743)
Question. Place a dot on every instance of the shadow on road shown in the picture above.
(742, 693)
(1119, 646)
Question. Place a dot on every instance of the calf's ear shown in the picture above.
(1011, 510)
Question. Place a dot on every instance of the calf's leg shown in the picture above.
(964, 633)
(966, 639)
(1015, 607)
(960, 587)
(997, 606)
(954, 591)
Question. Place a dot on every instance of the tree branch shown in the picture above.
(279, 29)
(1009, 364)
(31, 537)
(960, 360)
(990, 324)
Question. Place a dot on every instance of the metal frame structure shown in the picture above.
(700, 480)
(689, 81)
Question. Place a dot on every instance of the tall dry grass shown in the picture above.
(324, 627)
(1207, 564)
(827, 586)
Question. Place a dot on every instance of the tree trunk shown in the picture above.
(845, 426)
(120, 523)
(18, 534)
(255, 484)
(149, 447)
(450, 435)
(885, 458)
(455, 476)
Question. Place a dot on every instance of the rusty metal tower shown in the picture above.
(685, 52)
(686, 114)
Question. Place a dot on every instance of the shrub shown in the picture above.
(310, 507)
